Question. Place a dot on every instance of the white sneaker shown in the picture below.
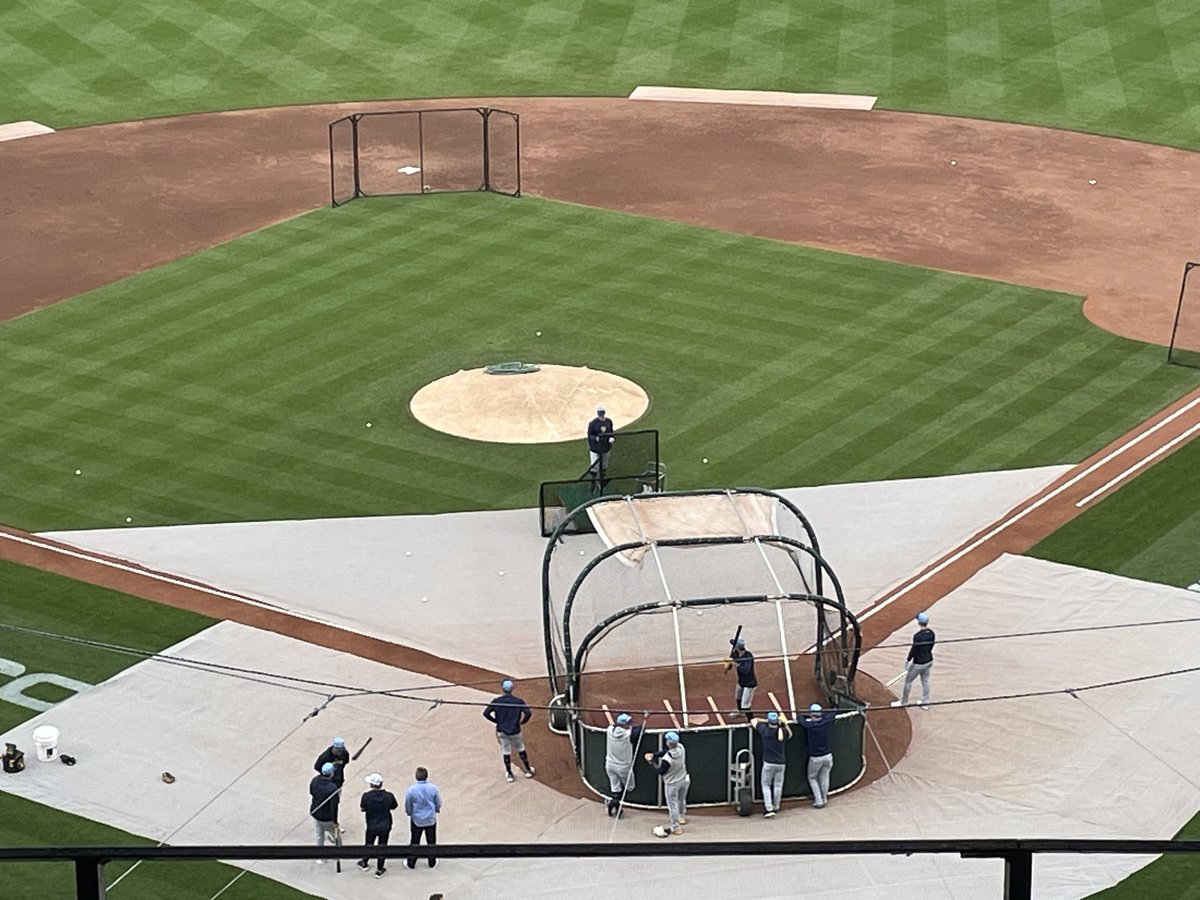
(897, 703)
(529, 772)
(508, 776)
(769, 814)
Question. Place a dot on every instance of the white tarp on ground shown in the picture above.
(1111, 763)
(357, 574)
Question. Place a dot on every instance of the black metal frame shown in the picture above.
(1017, 854)
(486, 144)
(1187, 270)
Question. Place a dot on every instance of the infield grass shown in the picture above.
(1122, 67)
(42, 602)
(237, 384)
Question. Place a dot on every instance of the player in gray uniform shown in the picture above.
(618, 761)
(671, 764)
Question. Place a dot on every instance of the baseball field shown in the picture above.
(189, 336)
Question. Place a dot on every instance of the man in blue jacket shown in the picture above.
(819, 723)
(747, 681)
(422, 803)
(919, 662)
(508, 713)
(600, 440)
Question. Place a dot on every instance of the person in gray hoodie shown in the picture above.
(618, 761)
(671, 764)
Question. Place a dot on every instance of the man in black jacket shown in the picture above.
(339, 756)
(324, 805)
(377, 804)
(600, 441)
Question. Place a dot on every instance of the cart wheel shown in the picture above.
(745, 802)
(559, 720)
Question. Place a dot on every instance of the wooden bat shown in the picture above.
(358, 752)
(737, 634)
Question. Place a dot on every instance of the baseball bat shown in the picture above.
(337, 841)
(358, 752)
(737, 634)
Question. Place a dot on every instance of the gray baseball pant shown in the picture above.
(772, 785)
(819, 768)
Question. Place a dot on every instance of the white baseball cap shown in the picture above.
(374, 779)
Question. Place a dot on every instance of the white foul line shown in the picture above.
(1138, 465)
(1005, 523)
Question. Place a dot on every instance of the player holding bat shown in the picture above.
(747, 681)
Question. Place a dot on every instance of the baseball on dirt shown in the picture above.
(954, 162)
(1091, 181)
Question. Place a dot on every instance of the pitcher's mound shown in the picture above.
(552, 404)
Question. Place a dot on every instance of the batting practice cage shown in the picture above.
(424, 151)
(1185, 333)
(639, 613)
(634, 467)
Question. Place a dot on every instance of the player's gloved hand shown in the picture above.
(727, 665)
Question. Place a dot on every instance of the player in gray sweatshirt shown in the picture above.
(671, 764)
(618, 761)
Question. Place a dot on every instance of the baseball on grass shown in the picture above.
(539, 334)
(705, 460)
(79, 471)
(129, 518)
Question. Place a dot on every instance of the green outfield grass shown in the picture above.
(237, 384)
(43, 602)
(1124, 67)
(1149, 529)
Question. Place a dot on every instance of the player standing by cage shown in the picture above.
(618, 761)
(508, 713)
(775, 731)
(819, 723)
(919, 662)
(747, 681)
(671, 764)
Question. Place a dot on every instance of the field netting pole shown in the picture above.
(780, 594)
(662, 577)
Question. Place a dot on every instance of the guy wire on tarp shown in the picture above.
(349, 691)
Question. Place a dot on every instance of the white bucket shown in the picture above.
(45, 738)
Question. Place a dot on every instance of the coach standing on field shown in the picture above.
(919, 662)
(600, 440)
(819, 723)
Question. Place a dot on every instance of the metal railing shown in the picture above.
(1016, 854)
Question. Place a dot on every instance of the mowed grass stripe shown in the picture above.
(248, 396)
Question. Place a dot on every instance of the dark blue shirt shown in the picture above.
(818, 729)
(772, 746)
(324, 793)
(922, 646)
(378, 806)
(509, 712)
(339, 757)
(600, 435)
(745, 669)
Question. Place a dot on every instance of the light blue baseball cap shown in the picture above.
(922, 618)
(339, 742)
(773, 717)
(672, 737)
(816, 707)
(327, 769)
(506, 685)
(624, 719)
(741, 642)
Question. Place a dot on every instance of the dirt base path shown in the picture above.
(89, 206)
